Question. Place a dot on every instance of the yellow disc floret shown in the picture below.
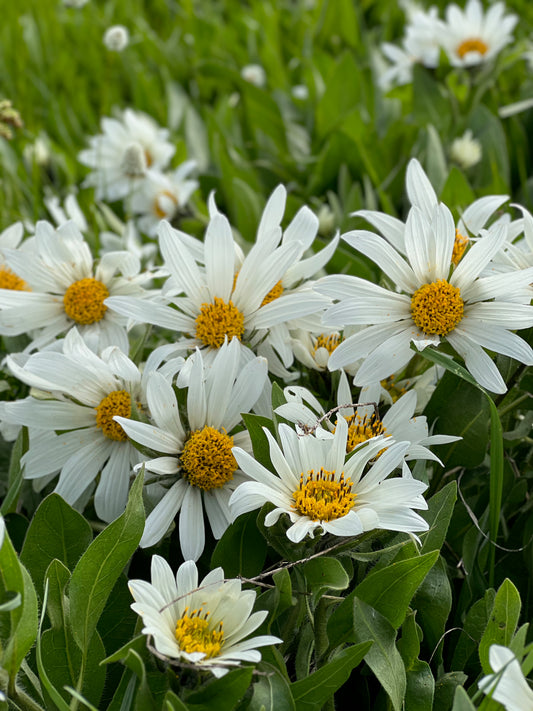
(459, 246)
(218, 320)
(321, 497)
(207, 460)
(473, 44)
(273, 294)
(84, 301)
(329, 342)
(117, 402)
(158, 205)
(195, 634)
(10, 280)
(437, 308)
(361, 429)
(393, 388)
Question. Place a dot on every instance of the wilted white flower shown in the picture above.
(255, 74)
(466, 150)
(507, 684)
(116, 38)
(202, 623)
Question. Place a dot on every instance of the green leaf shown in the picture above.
(271, 691)
(311, 693)
(433, 602)
(56, 531)
(144, 701)
(461, 701)
(409, 644)
(438, 516)
(445, 690)
(324, 574)
(502, 622)
(14, 477)
(57, 577)
(254, 425)
(100, 566)
(420, 687)
(383, 657)
(222, 694)
(18, 626)
(242, 548)
(173, 703)
(457, 191)
(341, 95)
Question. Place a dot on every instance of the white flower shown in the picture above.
(122, 154)
(466, 150)
(364, 421)
(197, 456)
(204, 623)
(86, 391)
(427, 305)
(300, 92)
(471, 37)
(160, 196)
(252, 298)
(75, 3)
(116, 38)
(255, 74)
(322, 489)
(70, 211)
(508, 684)
(59, 287)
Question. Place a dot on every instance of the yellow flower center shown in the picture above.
(473, 44)
(328, 342)
(361, 429)
(193, 634)
(84, 301)
(207, 460)
(394, 390)
(273, 294)
(10, 280)
(437, 308)
(459, 247)
(117, 402)
(215, 321)
(157, 206)
(323, 498)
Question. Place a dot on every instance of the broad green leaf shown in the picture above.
(438, 516)
(271, 691)
(433, 602)
(383, 657)
(56, 531)
(461, 701)
(57, 577)
(144, 701)
(341, 95)
(388, 590)
(138, 644)
(445, 690)
(47, 685)
(324, 574)
(430, 105)
(420, 687)
(18, 626)
(409, 643)
(457, 190)
(117, 623)
(502, 623)
(254, 425)
(242, 549)
(174, 703)
(222, 694)
(100, 566)
(311, 693)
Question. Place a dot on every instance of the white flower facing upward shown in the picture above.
(322, 489)
(72, 430)
(204, 623)
(59, 287)
(432, 300)
(197, 455)
(121, 155)
(471, 36)
(160, 196)
(507, 684)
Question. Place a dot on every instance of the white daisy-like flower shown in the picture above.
(471, 36)
(11, 238)
(72, 431)
(364, 421)
(431, 302)
(507, 684)
(197, 456)
(314, 350)
(322, 489)
(203, 623)
(250, 298)
(123, 152)
(159, 196)
(255, 74)
(61, 287)
(69, 211)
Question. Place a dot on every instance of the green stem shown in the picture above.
(321, 630)
(507, 408)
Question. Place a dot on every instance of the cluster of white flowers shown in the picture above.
(129, 161)
(468, 37)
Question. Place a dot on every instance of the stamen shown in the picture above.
(218, 320)
(158, 206)
(437, 308)
(194, 634)
(459, 247)
(473, 44)
(10, 280)
(361, 429)
(273, 294)
(321, 497)
(84, 301)
(207, 460)
(117, 402)
(392, 387)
